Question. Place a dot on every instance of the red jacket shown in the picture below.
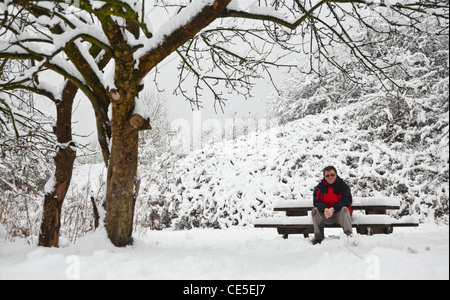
(337, 195)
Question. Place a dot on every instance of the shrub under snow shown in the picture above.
(234, 182)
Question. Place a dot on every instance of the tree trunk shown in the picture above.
(120, 194)
(53, 201)
(64, 160)
(123, 184)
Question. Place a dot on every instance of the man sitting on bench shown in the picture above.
(332, 204)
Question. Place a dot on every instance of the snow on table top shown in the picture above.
(372, 219)
(304, 220)
(407, 219)
(357, 201)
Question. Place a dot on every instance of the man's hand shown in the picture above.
(328, 212)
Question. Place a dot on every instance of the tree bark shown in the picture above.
(123, 183)
(64, 160)
(120, 195)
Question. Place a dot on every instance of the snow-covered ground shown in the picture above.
(236, 253)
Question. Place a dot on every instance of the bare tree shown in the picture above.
(76, 39)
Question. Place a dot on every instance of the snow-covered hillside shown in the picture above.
(234, 182)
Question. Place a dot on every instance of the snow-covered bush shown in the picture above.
(26, 151)
(234, 182)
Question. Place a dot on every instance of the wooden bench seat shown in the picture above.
(374, 221)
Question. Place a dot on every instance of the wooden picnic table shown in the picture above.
(374, 220)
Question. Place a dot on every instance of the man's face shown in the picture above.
(330, 177)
